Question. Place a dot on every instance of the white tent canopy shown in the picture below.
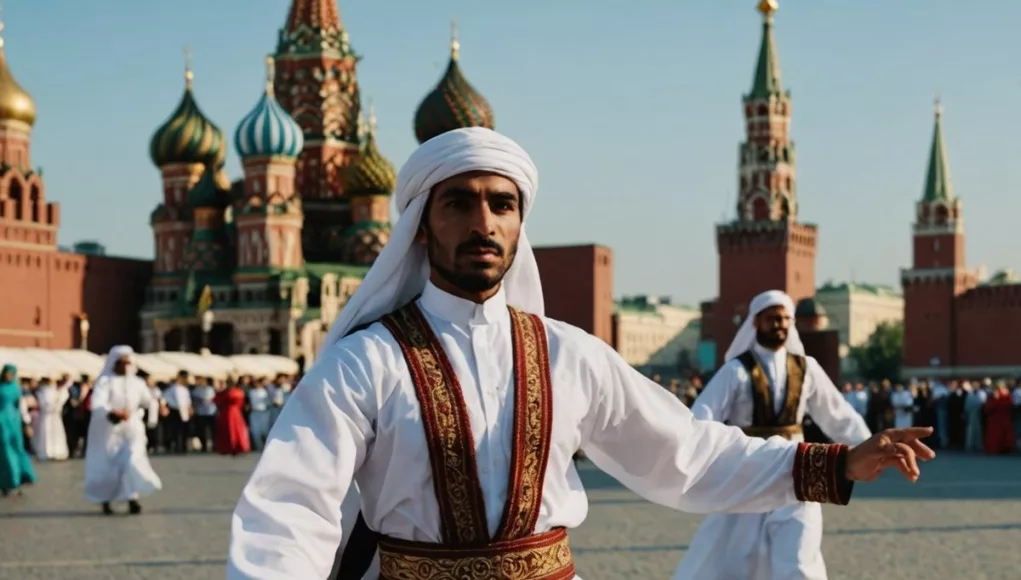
(34, 363)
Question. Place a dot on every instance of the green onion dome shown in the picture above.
(362, 243)
(268, 130)
(187, 136)
(371, 173)
(453, 104)
(213, 190)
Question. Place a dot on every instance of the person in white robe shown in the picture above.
(260, 414)
(49, 438)
(179, 412)
(116, 463)
(459, 254)
(903, 403)
(785, 543)
(280, 391)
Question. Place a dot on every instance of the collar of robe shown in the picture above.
(461, 312)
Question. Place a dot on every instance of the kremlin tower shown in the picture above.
(764, 247)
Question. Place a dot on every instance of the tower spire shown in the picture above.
(189, 76)
(270, 73)
(1, 26)
(372, 118)
(767, 69)
(938, 186)
(455, 45)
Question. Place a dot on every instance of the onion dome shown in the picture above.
(362, 243)
(268, 131)
(809, 315)
(453, 104)
(371, 173)
(213, 190)
(187, 136)
(15, 103)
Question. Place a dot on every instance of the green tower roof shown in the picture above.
(767, 69)
(937, 181)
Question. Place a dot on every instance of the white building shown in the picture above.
(654, 336)
(855, 310)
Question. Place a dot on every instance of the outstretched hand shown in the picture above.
(899, 448)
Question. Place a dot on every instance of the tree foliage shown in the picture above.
(880, 356)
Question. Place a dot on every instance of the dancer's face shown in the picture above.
(471, 229)
(772, 326)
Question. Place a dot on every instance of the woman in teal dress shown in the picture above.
(15, 465)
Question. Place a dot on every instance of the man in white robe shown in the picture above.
(116, 464)
(49, 439)
(766, 387)
(455, 261)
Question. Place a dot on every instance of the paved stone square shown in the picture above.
(962, 520)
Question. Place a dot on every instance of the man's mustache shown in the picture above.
(479, 245)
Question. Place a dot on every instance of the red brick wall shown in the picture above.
(989, 326)
(44, 292)
(824, 346)
(939, 251)
(577, 286)
(754, 259)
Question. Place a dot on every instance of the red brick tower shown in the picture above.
(316, 83)
(938, 274)
(765, 248)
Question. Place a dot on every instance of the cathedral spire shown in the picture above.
(937, 181)
(313, 14)
(767, 70)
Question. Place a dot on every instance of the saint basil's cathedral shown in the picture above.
(276, 254)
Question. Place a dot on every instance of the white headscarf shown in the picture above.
(117, 353)
(402, 268)
(745, 338)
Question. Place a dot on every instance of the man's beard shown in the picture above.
(473, 282)
(772, 339)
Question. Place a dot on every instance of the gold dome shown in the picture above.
(15, 103)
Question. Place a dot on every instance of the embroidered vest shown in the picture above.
(766, 421)
(467, 544)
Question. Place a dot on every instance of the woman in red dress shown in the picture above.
(999, 409)
(231, 432)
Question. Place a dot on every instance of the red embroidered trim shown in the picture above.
(818, 473)
(533, 426)
(447, 429)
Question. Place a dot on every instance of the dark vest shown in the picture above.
(766, 422)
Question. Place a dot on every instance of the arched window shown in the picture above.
(15, 193)
(941, 214)
(760, 210)
(34, 196)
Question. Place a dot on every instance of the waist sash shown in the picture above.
(539, 557)
(787, 431)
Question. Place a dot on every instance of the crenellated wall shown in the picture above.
(989, 326)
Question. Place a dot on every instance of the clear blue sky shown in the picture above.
(632, 111)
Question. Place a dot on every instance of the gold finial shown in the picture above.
(938, 106)
(372, 118)
(768, 8)
(189, 76)
(455, 46)
(1, 26)
(270, 73)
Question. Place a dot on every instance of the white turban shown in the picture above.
(402, 268)
(117, 353)
(745, 338)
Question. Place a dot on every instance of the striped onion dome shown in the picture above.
(268, 130)
(187, 136)
(453, 104)
(371, 173)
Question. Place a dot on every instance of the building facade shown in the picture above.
(765, 247)
(655, 336)
(855, 310)
(49, 295)
(955, 325)
(577, 286)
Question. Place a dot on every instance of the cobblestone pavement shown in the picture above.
(962, 520)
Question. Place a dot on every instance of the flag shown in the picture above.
(205, 301)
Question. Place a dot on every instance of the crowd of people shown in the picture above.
(48, 418)
(975, 416)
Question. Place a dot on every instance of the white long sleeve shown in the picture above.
(837, 418)
(355, 417)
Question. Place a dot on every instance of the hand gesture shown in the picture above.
(898, 448)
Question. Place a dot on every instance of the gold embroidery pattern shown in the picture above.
(448, 432)
(795, 380)
(817, 474)
(541, 557)
(533, 421)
